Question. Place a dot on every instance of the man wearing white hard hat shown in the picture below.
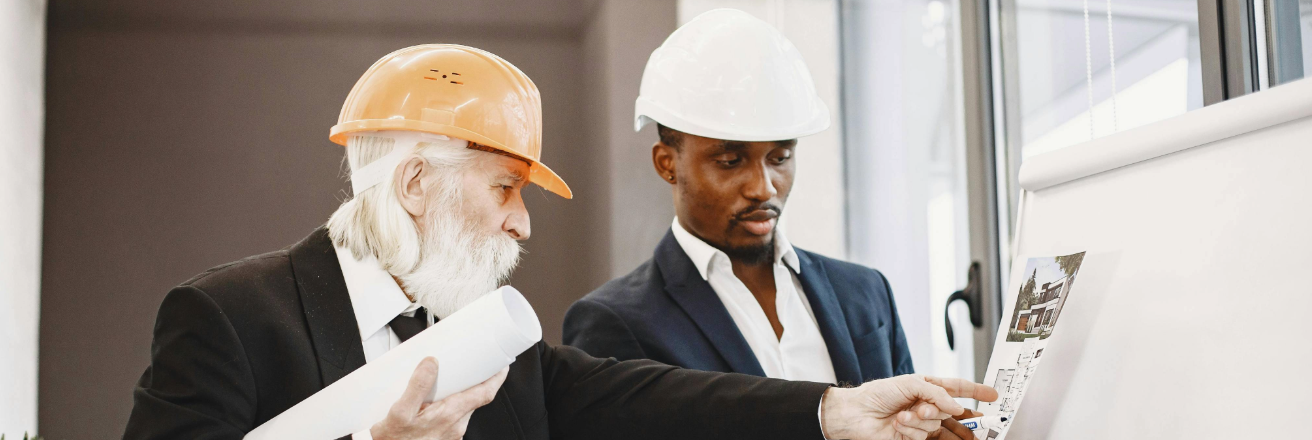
(725, 290)
(441, 140)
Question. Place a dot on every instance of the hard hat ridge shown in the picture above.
(728, 75)
(454, 91)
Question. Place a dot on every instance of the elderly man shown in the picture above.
(441, 140)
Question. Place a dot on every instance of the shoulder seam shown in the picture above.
(623, 322)
(216, 269)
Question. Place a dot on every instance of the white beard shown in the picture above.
(458, 262)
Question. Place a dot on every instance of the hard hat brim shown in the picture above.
(538, 172)
(647, 111)
(544, 177)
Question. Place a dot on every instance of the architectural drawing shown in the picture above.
(1040, 297)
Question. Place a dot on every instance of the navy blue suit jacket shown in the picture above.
(665, 311)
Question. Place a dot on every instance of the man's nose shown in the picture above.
(759, 187)
(517, 223)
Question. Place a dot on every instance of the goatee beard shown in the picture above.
(458, 262)
(752, 255)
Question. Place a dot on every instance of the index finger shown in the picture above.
(476, 396)
(964, 388)
(925, 391)
(497, 379)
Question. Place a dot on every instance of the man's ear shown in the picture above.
(663, 157)
(410, 188)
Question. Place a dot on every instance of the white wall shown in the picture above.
(22, 57)
(814, 217)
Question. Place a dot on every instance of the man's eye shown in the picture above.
(728, 161)
(780, 160)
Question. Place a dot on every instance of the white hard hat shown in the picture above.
(728, 75)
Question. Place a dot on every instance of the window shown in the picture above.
(905, 164)
(1288, 38)
(1086, 69)
(1043, 75)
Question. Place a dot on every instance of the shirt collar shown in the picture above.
(702, 254)
(375, 296)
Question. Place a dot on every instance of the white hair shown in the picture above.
(374, 222)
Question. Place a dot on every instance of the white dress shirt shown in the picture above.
(801, 353)
(376, 300)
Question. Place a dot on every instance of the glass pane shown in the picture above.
(905, 157)
(1070, 88)
(1289, 39)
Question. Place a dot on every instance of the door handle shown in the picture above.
(973, 297)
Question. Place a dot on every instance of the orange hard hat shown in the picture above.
(454, 91)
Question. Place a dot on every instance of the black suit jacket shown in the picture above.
(665, 311)
(243, 342)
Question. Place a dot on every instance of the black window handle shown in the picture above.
(972, 296)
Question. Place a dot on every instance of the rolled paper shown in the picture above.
(471, 345)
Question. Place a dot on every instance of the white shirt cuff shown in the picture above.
(819, 414)
(366, 435)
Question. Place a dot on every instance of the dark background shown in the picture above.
(183, 135)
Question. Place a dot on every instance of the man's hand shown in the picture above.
(898, 408)
(954, 430)
(412, 419)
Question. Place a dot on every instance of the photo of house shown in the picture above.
(1041, 297)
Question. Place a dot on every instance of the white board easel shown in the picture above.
(1192, 316)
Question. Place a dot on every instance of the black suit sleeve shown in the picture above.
(199, 384)
(597, 330)
(591, 398)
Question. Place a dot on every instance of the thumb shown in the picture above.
(926, 391)
(421, 383)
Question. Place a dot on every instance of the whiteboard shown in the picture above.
(1194, 305)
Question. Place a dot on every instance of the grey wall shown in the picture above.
(177, 141)
(619, 37)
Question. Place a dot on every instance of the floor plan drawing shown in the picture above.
(1032, 316)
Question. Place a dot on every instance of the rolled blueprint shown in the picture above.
(471, 345)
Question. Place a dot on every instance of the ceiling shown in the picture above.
(407, 13)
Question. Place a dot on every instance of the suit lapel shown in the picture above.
(327, 306)
(829, 315)
(695, 296)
